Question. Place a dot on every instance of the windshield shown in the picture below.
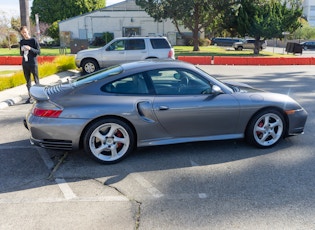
(101, 74)
(216, 81)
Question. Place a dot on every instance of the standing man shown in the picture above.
(29, 49)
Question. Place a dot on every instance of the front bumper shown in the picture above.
(297, 122)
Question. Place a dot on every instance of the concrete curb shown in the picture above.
(10, 102)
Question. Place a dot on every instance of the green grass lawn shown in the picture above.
(179, 51)
(217, 51)
(7, 72)
(43, 52)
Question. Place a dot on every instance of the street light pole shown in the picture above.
(25, 13)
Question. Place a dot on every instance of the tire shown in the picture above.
(109, 141)
(266, 128)
(240, 48)
(90, 66)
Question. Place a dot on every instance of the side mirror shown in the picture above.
(216, 90)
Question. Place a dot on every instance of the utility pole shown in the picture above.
(25, 13)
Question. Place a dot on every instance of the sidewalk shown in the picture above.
(19, 94)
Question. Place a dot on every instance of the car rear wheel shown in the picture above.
(266, 128)
(240, 48)
(90, 66)
(108, 141)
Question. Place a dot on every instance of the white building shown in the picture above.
(309, 11)
(121, 19)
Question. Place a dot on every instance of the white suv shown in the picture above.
(125, 49)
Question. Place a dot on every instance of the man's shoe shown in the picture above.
(28, 101)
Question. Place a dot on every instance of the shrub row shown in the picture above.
(45, 68)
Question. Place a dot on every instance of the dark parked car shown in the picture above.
(308, 45)
(112, 111)
(224, 41)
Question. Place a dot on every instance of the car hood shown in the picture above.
(88, 51)
(241, 87)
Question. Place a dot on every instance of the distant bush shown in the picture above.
(201, 42)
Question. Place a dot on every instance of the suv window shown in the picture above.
(117, 46)
(159, 43)
(134, 44)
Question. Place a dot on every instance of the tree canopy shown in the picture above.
(265, 19)
(193, 14)
(255, 18)
(53, 10)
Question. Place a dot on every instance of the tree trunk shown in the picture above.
(257, 46)
(196, 40)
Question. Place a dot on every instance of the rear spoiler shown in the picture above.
(39, 92)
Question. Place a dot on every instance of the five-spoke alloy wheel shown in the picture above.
(109, 140)
(266, 128)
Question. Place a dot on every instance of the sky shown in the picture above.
(12, 7)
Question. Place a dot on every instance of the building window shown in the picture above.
(131, 31)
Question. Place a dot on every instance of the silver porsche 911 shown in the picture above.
(111, 112)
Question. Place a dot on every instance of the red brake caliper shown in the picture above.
(261, 124)
(119, 134)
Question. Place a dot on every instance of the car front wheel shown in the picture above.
(266, 128)
(108, 141)
(89, 66)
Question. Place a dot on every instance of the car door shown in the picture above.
(135, 50)
(187, 111)
(115, 53)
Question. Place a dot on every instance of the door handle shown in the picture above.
(163, 107)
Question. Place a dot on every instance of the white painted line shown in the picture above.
(59, 200)
(16, 147)
(147, 185)
(65, 189)
(194, 164)
(202, 195)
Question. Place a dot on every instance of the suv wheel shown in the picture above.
(90, 66)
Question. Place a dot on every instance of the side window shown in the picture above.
(159, 43)
(117, 46)
(177, 82)
(135, 44)
(134, 84)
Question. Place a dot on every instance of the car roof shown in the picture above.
(151, 37)
(149, 63)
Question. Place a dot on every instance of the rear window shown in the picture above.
(101, 74)
(159, 43)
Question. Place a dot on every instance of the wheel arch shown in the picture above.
(107, 117)
(89, 58)
(285, 117)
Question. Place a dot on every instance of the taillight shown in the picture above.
(46, 113)
(170, 54)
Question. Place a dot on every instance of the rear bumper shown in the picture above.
(52, 144)
(59, 134)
